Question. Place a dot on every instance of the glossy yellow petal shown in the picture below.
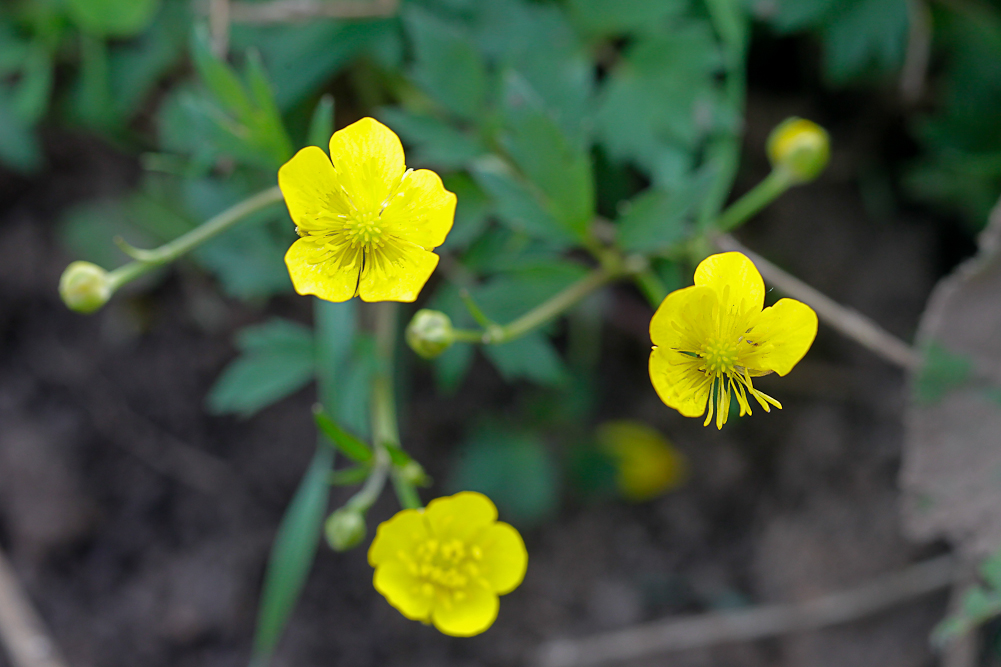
(328, 271)
(787, 329)
(678, 381)
(309, 184)
(503, 557)
(646, 463)
(421, 211)
(467, 612)
(684, 319)
(408, 594)
(460, 516)
(396, 271)
(735, 280)
(368, 159)
(403, 533)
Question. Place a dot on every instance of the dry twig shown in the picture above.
(673, 635)
(219, 27)
(21, 629)
(912, 75)
(846, 321)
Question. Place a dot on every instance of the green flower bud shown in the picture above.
(345, 529)
(84, 287)
(800, 147)
(413, 472)
(430, 333)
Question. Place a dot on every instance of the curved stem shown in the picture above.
(146, 260)
(762, 194)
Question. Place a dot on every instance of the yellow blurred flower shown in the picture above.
(367, 223)
(712, 338)
(448, 563)
(646, 464)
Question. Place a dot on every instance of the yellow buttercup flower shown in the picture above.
(712, 338)
(448, 563)
(367, 223)
(646, 463)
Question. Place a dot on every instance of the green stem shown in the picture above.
(146, 260)
(543, 313)
(385, 430)
(764, 193)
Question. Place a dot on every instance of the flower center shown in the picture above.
(447, 566)
(719, 356)
(363, 229)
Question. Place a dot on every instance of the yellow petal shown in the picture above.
(468, 612)
(368, 159)
(396, 271)
(684, 319)
(403, 533)
(678, 381)
(329, 272)
(790, 326)
(735, 280)
(460, 516)
(421, 211)
(504, 557)
(410, 596)
(309, 184)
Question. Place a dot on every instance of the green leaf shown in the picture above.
(447, 66)
(515, 470)
(531, 357)
(292, 556)
(656, 219)
(559, 169)
(990, 570)
(662, 100)
(112, 18)
(277, 359)
(321, 125)
(218, 77)
(472, 211)
(518, 204)
(866, 33)
(349, 476)
(397, 456)
(19, 147)
(436, 143)
(350, 446)
(941, 372)
(610, 17)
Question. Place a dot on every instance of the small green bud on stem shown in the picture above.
(85, 287)
(799, 147)
(430, 333)
(345, 529)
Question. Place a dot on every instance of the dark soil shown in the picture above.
(140, 525)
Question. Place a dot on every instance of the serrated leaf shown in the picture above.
(278, 359)
(517, 204)
(656, 219)
(865, 33)
(350, 446)
(472, 211)
(531, 357)
(292, 555)
(448, 66)
(436, 143)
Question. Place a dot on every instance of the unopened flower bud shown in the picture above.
(345, 529)
(413, 472)
(800, 147)
(430, 333)
(84, 287)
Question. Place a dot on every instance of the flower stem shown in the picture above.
(146, 260)
(385, 430)
(762, 194)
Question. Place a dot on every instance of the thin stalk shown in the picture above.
(146, 260)
(764, 193)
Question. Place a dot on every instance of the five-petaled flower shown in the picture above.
(367, 223)
(712, 338)
(448, 563)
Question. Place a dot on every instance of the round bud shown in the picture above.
(413, 472)
(345, 529)
(84, 287)
(800, 147)
(430, 333)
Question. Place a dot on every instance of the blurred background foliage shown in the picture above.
(541, 115)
